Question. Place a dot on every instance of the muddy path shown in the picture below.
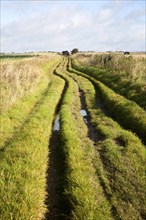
(92, 133)
(95, 138)
(56, 201)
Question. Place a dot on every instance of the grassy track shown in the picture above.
(82, 186)
(119, 160)
(24, 161)
(103, 178)
(126, 112)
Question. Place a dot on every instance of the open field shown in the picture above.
(73, 138)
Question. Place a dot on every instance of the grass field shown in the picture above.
(124, 74)
(93, 166)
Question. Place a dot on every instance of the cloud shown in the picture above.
(59, 25)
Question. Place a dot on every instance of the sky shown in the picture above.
(56, 25)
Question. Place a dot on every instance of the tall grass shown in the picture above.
(125, 74)
(126, 112)
(133, 67)
(20, 77)
(13, 118)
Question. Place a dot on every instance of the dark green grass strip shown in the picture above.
(126, 112)
(24, 162)
(15, 118)
(119, 160)
(82, 185)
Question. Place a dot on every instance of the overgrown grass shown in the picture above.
(13, 119)
(119, 160)
(127, 113)
(24, 161)
(20, 77)
(125, 74)
(82, 186)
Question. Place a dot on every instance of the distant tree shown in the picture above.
(75, 50)
(126, 53)
(65, 53)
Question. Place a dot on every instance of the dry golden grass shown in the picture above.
(134, 65)
(20, 77)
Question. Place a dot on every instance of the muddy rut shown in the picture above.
(56, 202)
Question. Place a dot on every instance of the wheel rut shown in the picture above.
(56, 201)
(92, 133)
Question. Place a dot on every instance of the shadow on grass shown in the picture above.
(56, 201)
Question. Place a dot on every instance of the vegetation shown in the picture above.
(82, 187)
(119, 158)
(75, 50)
(6, 56)
(124, 74)
(19, 78)
(126, 112)
(24, 160)
(65, 53)
(13, 117)
(103, 164)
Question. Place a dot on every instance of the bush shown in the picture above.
(75, 50)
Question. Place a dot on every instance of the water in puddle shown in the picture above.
(57, 124)
(83, 112)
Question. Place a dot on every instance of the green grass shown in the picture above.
(24, 161)
(124, 74)
(127, 113)
(103, 180)
(119, 159)
(14, 118)
(82, 186)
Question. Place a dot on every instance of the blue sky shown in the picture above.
(37, 25)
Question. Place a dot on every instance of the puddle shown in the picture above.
(83, 112)
(57, 124)
(84, 115)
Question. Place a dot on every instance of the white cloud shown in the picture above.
(104, 15)
(53, 26)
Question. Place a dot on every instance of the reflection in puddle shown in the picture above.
(57, 124)
(84, 114)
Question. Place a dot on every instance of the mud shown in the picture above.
(92, 133)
